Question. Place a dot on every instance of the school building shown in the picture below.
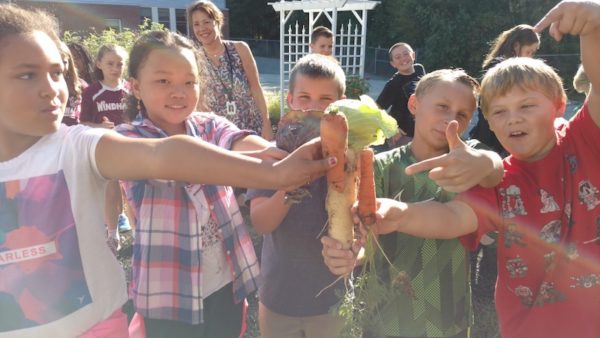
(88, 15)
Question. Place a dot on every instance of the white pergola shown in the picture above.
(349, 43)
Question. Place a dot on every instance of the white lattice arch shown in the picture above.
(349, 41)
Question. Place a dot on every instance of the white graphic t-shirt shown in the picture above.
(57, 275)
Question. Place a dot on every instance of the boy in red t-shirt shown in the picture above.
(546, 210)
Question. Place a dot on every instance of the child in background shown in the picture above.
(435, 299)
(58, 276)
(292, 267)
(103, 105)
(581, 83)
(519, 41)
(398, 89)
(321, 41)
(546, 208)
(232, 83)
(192, 237)
(73, 110)
(84, 64)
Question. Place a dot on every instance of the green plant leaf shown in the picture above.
(368, 125)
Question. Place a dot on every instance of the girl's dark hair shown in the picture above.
(142, 48)
(207, 7)
(71, 76)
(105, 49)
(78, 51)
(16, 20)
(504, 45)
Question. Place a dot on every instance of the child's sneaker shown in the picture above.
(123, 223)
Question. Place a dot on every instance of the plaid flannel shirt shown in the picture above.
(167, 254)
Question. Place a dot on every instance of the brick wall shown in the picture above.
(85, 18)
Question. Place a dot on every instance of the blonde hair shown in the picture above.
(447, 75)
(581, 83)
(316, 66)
(105, 49)
(524, 73)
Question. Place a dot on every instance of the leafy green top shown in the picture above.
(367, 124)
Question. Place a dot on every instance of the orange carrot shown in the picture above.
(334, 142)
(367, 205)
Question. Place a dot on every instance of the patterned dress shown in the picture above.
(228, 82)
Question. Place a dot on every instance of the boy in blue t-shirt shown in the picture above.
(291, 264)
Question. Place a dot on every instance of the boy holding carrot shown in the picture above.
(291, 265)
(429, 279)
(546, 209)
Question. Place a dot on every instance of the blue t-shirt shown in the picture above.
(292, 267)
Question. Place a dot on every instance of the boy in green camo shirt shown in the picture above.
(429, 283)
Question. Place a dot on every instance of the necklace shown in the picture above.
(217, 51)
(230, 105)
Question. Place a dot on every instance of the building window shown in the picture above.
(145, 13)
(181, 21)
(114, 24)
(163, 17)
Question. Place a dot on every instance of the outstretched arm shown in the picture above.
(186, 159)
(462, 167)
(580, 18)
(256, 146)
(424, 219)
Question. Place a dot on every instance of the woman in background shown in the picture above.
(232, 87)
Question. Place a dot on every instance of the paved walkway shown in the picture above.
(268, 69)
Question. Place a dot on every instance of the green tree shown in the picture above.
(458, 33)
(253, 19)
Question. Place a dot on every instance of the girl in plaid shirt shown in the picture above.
(58, 277)
(193, 262)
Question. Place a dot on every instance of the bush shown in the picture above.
(356, 86)
(126, 38)
(273, 99)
